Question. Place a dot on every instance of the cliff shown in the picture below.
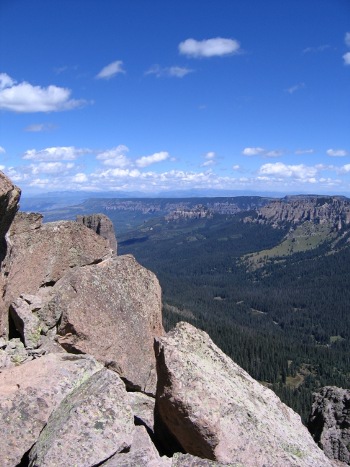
(89, 378)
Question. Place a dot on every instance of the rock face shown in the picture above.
(9, 198)
(40, 254)
(102, 225)
(112, 310)
(217, 411)
(329, 422)
(28, 395)
(91, 424)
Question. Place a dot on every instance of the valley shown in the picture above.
(267, 279)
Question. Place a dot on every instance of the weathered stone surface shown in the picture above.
(187, 460)
(39, 255)
(9, 198)
(90, 425)
(112, 310)
(14, 353)
(329, 422)
(102, 225)
(28, 395)
(142, 453)
(217, 411)
(143, 409)
(22, 312)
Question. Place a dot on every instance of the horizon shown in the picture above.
(155, 97)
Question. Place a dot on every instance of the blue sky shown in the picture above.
(154, 95)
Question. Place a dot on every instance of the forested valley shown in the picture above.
(285, 320)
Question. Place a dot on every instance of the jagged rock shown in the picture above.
(329, 422)
(112, 310)
(217, 411)
(102, 225)
(142, 453)
(9, 198)
(25, 320)
(14, 354)
(28, 395)
(40, 254)
(90, 425)
(143, 409)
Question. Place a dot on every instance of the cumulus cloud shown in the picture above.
(216, 47)
(148, 160)
(51, 168)
(173, 71)
(80, 178)
(337, 152)
(210, 159)
(346, 58)
(60, 153)
(320, 48)
(257, 151)
(26, 98)
(115, 156)
(111, 70)
(2, 150)
(236, 167)
(279, 169)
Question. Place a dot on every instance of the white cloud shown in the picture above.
(60, 153)
(216, 47)
(346, 58)
(115, 156)
(2, 150)
(148, 160)
(236, 167)
(173, 71)
(304, 151)
(296, 87)
(80, 178)
(51, 168)
(210, 155)
(337, 152)
(347, 39)
(253, 151)
(274, 153)
(111, 70)
(2, 167)
(39, 127)
(26, 98)
(320, 48)
(279, 169)
(209, 159)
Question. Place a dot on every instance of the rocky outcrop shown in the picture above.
(9, 198)
(329, 422)
(102, 225)
(40, 254)
(90, 425)
(215, 410)
(111, 310)
(296, 209)
(29, 393)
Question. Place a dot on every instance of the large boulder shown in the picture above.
(30, 392)
(9, 198)
(111, 310)
(40, 254)
(329, 422)
(90, 425)
(102, 225)
(215, 410)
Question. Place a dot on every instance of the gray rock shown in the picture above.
(28, 395)
(26, 322)
(142, 453)
(9, 198)
(187, 460)
(217, 411)
(39, 255)
(90, 425)
(102, 225)
(143, 409)
(329, 422)
(112, 310)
